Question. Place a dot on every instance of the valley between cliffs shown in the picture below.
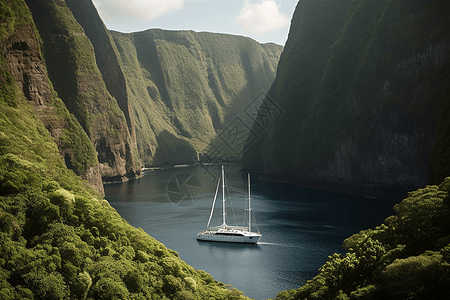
(185, 87)
(131, 94)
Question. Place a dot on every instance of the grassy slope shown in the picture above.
(59, 239)
(71, 56)
(171, 110)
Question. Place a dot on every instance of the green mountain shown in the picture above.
(360, 96)
(72, 109)
(130, 93)
(58, 238)
(185, 87)
(359, 101)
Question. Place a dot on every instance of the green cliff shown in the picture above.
(362, 87)
(361, 92)
(131, 94)
(185, 87)
(73, 70)
(58, 238)
(23, 62)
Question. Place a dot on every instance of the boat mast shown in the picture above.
(249, 207)
(214, 202)
(224, 225)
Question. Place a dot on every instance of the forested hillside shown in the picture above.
(362, 87)
(359, 103)
(58, 238)
(176, 90)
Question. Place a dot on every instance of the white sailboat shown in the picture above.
(225, 232)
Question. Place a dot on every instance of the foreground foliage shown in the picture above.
(60, 240)
(407, 257)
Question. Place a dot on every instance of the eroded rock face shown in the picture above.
(25, 64)
(108, 131)
(152, 98)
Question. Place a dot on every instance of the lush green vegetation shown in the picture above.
(11, 15)
(352, 91)
(75, 141)
(69, 56)
(58, 238)
(407, 257)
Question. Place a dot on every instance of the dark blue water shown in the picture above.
(300, 227)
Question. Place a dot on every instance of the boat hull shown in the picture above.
(244, 239)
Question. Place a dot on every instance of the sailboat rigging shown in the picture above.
(225, 232)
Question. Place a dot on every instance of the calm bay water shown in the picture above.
(300, 227)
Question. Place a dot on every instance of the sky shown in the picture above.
(263, 20)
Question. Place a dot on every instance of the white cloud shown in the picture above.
(146, 10)
(262, 17)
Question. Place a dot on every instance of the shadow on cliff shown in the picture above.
(238, 131)
(173, 150)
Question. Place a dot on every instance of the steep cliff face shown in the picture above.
(23, 61)
(71, 62)
(359, 104)
(185, 88)
(106, 54)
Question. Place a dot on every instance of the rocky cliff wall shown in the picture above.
(24, 62)
(71, 62)
(364, 120)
